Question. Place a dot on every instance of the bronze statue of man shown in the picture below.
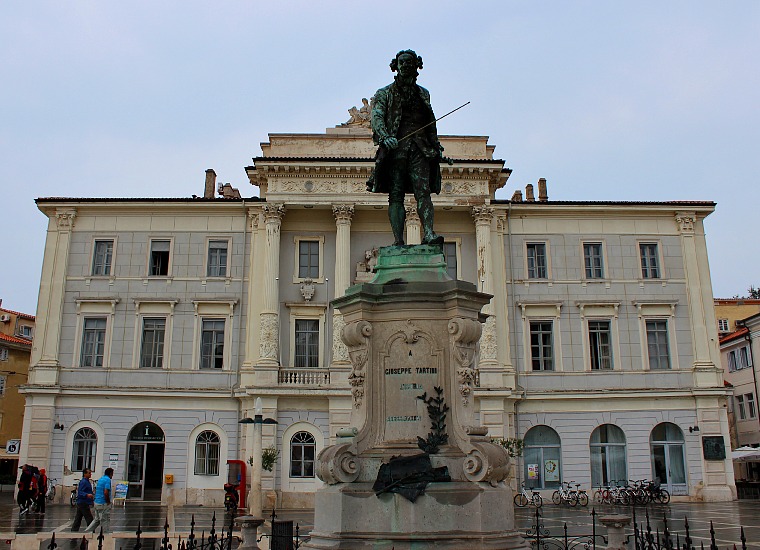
(408, 156)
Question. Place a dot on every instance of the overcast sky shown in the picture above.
(607, 100)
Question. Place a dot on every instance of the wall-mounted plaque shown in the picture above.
(713, 447)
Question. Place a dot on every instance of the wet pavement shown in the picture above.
(727, 518)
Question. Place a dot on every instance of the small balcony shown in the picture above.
(303, 377)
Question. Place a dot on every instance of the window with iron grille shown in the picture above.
(536, 255)
(592, 259)
(159, 258)
(302, 452)
(102, 258)
(650, 268)
(212, 344)
(657, 344)
(217, 259)
(751, 410)
(2, 385)
(152, 351)
(541, 345)
(3, 354)
(308, 259)
(93, 342)
(207, 450)
(85, 445)
(600, 344)
(307, 343)
(450, 255)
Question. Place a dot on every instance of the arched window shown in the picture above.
(207, 447)
(85, 446)
(607, 449)
(302, 453)
(667, 445)
(541, 457)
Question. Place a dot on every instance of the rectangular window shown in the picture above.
(657, 344)
(93, 342)
(732, 361)
(2, 385)
(217, 259)
(600, 344)
(152, 351)
(3, 354)
(744, 361)
(592, 259)
(541, 345)
(26, 331)
(307, 343)
(649, 261)
(722, 325)
(536, 254)
(751, 410)
(102, 257)
(159, 258)
(212, 344)
(308, 259)
(740, 407)
(450, 255)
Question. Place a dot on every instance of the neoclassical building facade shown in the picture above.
(161, 320)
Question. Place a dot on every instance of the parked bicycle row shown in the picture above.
(631, 492)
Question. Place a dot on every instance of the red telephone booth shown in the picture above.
(236, 475)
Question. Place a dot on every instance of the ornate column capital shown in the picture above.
(686, 221)
(64, 219)
(411, 215)
(482, 214)
(253, 217)
(343, 213)
(273, 212)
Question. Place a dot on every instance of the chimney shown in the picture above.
(208, 192)
(529, 193)
(517, 196)
(542, 196)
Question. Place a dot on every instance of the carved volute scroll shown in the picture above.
(356, 337)
(686, 221)
(338, 464)
(464, 336)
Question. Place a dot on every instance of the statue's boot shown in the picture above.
(425, 211)
(397, 216)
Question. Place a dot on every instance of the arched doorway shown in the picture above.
(608, 460)
(541, 458)
(145, 462)
(667, 445)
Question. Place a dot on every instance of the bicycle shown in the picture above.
(580, 494)
(522, 498)
(564, 495)
(50, 493)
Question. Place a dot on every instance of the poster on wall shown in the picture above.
(532, 471)
(551, 470)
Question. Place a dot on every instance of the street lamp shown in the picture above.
(254, 498)
(249, 524)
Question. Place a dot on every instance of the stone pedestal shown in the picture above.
(413, 332)
(249, 530)
(615, 524)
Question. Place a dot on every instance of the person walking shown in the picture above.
(102, 503)
(84, 500)
(42, 484)
(24, 487)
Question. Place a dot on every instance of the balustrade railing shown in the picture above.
(303, 377)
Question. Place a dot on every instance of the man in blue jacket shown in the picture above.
(84, 500)
(102, 503)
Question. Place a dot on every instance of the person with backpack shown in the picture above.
(24, 487)
(84, 500)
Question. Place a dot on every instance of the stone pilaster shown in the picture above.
(251, 335)
(490, 373)
(44, 358)
(269, 342)
(413, 224)
(339, 363)
(501, 311)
